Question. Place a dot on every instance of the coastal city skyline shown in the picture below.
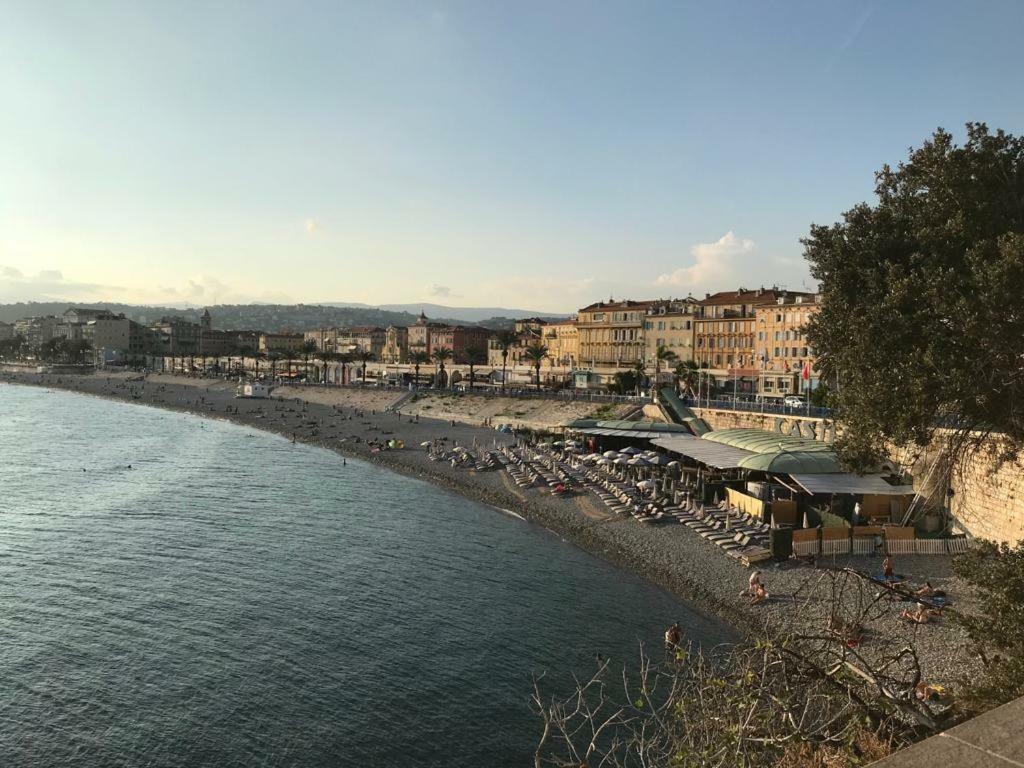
(280, 155)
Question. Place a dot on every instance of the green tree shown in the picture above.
(363, 356)
(662, 355)
(307, 350)
(505, 340)
(474, 356)
(439, 355)
(623, 383)
(536, 353)
(640, 372)
(920, 321)
(418, 358)
(688, 375)
(996, 573)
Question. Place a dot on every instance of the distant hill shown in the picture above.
(463, 314)
(272, 317)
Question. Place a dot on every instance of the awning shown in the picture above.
(706, 452)
(603, 432)
(841, 482)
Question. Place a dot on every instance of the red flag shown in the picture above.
(806, 373)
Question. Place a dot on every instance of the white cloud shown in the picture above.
(312, 225)
(714, 264)
(439, 290)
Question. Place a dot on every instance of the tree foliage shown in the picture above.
(997, 575)
(922, 320)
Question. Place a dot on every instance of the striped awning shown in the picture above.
(706, 452)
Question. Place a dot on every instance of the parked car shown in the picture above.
(793, 401)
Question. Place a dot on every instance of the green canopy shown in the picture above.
(790, 462)
(763, 441)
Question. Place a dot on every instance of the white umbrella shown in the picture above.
(425, 444)
(658, 460)
(621, 460)
(637, 461)
(646, 484)
(611, 455)
(605, 461)
(631, 451)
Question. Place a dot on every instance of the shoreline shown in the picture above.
(672, 558)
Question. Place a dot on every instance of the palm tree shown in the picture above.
(662, 355)
(364, 356)
(506, 340)
(273, 357)
(325, 358)
(257, 356)
(307, 350)
(536, 353)
(418, 358)
(439, 355)
(640, 371)
(288, 356)
(474, 356)
(687, 374)
(345, 359)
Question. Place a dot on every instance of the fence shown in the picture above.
(867, 546)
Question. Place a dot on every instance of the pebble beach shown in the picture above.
(351, 421)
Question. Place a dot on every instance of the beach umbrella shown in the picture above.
(425, 444)
(637, 461)
(611, 455)
(659, 460)
(631, 451)
(646, 484)
(622, 460)
(672, 464)
(605, 462)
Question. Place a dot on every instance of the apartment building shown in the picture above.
(459, 339)
(281, 342)
(671, 325)
(611, 333)
(782, 347)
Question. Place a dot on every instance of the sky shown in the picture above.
(536, 155)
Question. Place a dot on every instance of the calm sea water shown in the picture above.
(234, 599)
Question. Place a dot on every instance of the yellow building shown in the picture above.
(611, 333)
(782, 346)
(563, 342)
(671, 325)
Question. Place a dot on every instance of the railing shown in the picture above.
(746, 406)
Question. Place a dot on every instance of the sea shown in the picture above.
(181, 591)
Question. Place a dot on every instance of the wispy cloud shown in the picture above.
(442, 291)
(714, 264)
(312, 226)
(49, 285)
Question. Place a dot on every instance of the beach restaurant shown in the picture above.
(780, 478)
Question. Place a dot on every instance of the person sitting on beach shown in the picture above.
(920, 616)
(760, 594)
(672, 636)
(925, 592)
(752, 584)
(887, 569)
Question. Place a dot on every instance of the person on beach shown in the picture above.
(760, 595)
(920, 616)
(887, 569)
(672, 636)
(926, 591)
(752, 584)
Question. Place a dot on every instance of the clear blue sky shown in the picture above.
(528, 154)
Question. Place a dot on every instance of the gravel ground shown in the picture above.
(670, 555)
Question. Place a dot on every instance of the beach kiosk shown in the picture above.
(252, 389)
